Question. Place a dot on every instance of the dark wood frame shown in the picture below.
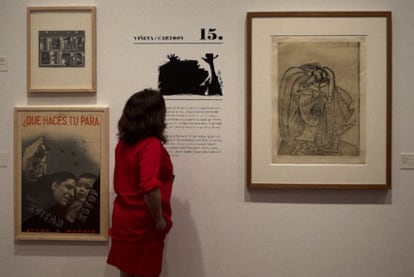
(251, 16)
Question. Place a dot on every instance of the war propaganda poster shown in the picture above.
(61, 173)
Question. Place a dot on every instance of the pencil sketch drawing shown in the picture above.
(314, 112)
(316, 107)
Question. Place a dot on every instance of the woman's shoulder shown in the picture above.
(150, 142)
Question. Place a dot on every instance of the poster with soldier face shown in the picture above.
(61, 165)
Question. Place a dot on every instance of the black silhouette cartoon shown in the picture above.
(186, 77)
(314, 113)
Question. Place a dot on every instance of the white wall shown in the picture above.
(221, 229)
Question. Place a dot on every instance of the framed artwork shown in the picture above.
(319, 100)
(61, 173)
(61, 49)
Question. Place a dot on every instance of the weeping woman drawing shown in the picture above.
(314, 113)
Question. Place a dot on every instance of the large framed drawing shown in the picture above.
(61, 173)
(319, 100)
(61, 49)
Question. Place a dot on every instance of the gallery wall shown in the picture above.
(220, 227)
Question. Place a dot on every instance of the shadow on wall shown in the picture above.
(316, 196)
(61, 248)
(183, 255)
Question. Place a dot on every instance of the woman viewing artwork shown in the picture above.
(143, 179)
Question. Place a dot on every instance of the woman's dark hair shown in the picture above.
(61, 176)
(143, 116)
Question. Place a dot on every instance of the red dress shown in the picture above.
(137, 245)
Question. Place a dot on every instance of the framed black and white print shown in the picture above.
(319, 100)
(61, 49)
